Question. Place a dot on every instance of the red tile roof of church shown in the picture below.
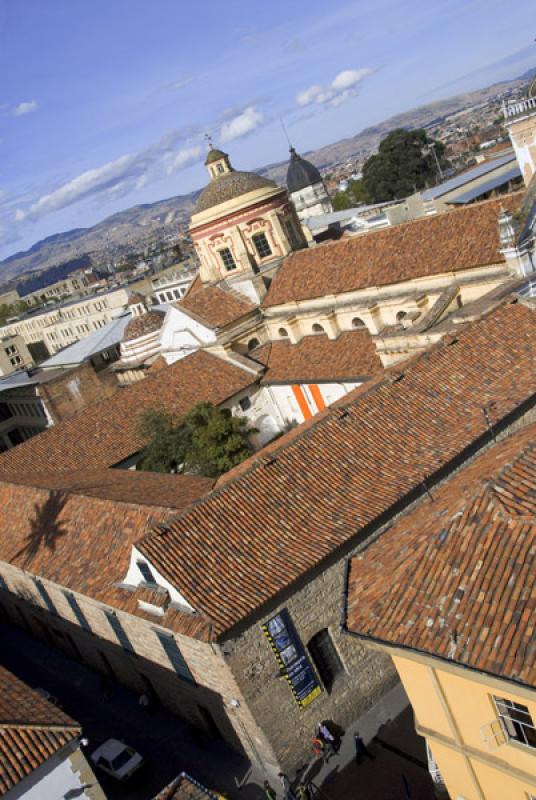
(454, 241)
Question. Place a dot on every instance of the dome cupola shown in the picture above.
(301, 173)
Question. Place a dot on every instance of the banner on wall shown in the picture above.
(292, 658)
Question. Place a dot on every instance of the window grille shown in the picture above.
(262, 245)
(122, 637)
(227, 259)
(325, 658)
(146, 572)
(517, 721)
(175, 656)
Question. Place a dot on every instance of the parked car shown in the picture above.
(117, 759)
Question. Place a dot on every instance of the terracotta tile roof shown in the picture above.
(216, 307)
(105, 433)
(126, 486)
(31, 730)
(455, 577)
(297, 502)
(185, 787)
(317, 358)
(78, 533)
(450, 242)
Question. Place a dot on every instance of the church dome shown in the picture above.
(301, 173)
(229, 186)
(214, 155)
(143, 325)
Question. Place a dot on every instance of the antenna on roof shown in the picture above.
(208, 137)
(285, 132)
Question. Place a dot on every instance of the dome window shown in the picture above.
(262, 246)
(283, 332)
(227, 259)
(253, 343)
(357, 322)
(401, 315)
(318, 328)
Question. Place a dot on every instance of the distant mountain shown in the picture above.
(132, 230)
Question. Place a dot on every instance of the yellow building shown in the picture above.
(449, 591)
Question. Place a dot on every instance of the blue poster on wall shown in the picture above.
(292, 658)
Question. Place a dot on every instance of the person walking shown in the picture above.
(269, 792)
(361, 749)
(288, 794)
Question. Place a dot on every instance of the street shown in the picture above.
(169, 746)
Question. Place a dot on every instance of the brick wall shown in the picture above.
(73, 391)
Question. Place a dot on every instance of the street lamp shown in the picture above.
(431, 149)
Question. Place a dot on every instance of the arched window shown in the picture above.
(401, 315)
(357, 322)
(253, 343)
(325, 657)
(318, 328)
(283, 332)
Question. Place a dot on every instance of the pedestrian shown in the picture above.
(269, 792)
(288, 794)
(328, 738)
(318, 747)
(304, 791)
(361, 749)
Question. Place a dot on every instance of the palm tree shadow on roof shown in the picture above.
(45, 527)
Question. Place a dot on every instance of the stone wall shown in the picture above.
(70, 393)
(368, 674)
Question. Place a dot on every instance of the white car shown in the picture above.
(117, 759)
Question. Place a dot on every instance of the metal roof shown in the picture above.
(101, 339)
(487, 186)
(466, 177)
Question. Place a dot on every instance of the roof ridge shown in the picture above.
(41, 726)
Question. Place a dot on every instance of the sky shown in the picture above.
(105, 104)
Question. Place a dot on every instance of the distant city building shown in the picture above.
(14, 355)
(9, 298)
(306, 188)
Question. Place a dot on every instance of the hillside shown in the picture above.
(132, 230)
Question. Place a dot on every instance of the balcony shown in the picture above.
(519, 108)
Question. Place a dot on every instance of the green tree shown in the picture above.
(206, 441)
(355, 195)
(403, 164)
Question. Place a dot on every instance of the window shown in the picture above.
(47, 600)
(358, 323)
(400, 316)
(325, 658)
(175, 656)
(253, 343)
(318, 328)
(262, 245)
(244, 403)
(227, 259)
(283, 332)
(220, 168)
(517, 721)
(77, 611)
(146, 572)
(119, 631)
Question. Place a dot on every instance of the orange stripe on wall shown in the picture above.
(317, 396)
(302, 402)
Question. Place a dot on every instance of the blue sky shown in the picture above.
(104, 103)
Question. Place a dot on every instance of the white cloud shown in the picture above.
(242, 124)
(116, 178)
(25, 108)
(342, 88)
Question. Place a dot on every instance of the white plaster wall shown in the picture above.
(181, 335)
(134, 578)
(61, 779)
(263, 413)
(287, 404)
